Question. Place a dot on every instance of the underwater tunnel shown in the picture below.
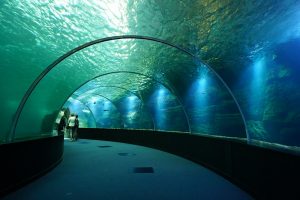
(214, 82)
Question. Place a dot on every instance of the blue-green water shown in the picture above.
(252, 45)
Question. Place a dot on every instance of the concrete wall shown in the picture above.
(21, 162)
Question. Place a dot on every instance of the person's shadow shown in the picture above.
(49, 124)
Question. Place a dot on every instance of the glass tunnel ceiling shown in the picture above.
(231, 36)
(143, 77)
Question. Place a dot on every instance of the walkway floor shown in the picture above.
(108, 170)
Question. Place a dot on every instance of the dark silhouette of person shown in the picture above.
(75, 128)
(62, 124)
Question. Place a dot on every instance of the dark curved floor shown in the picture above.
(105, 170)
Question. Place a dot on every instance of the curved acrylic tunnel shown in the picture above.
(257, 60)
(132, 107)
(83, 110)
(105, 111)
(94, 98)
(145, 116)
(173, 67)
(223, 71)
(220, 71)
(137, 109)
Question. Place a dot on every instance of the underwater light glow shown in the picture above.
(115, 12)
(196, 96)
(258, 68)
(62, 3)
(106, 105)
(131, 103)
(158, 103)
(200, 89)
(202, 83)
(160, 97)
(86, 111)
(257, 77)
(161, 92)
(132, 98)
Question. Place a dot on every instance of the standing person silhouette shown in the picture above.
(62, 124)
(71, 124)
(75, 128)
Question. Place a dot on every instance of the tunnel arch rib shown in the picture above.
(11, 134)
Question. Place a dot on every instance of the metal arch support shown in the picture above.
(11, 135)
(107, 100)
(138, 96)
